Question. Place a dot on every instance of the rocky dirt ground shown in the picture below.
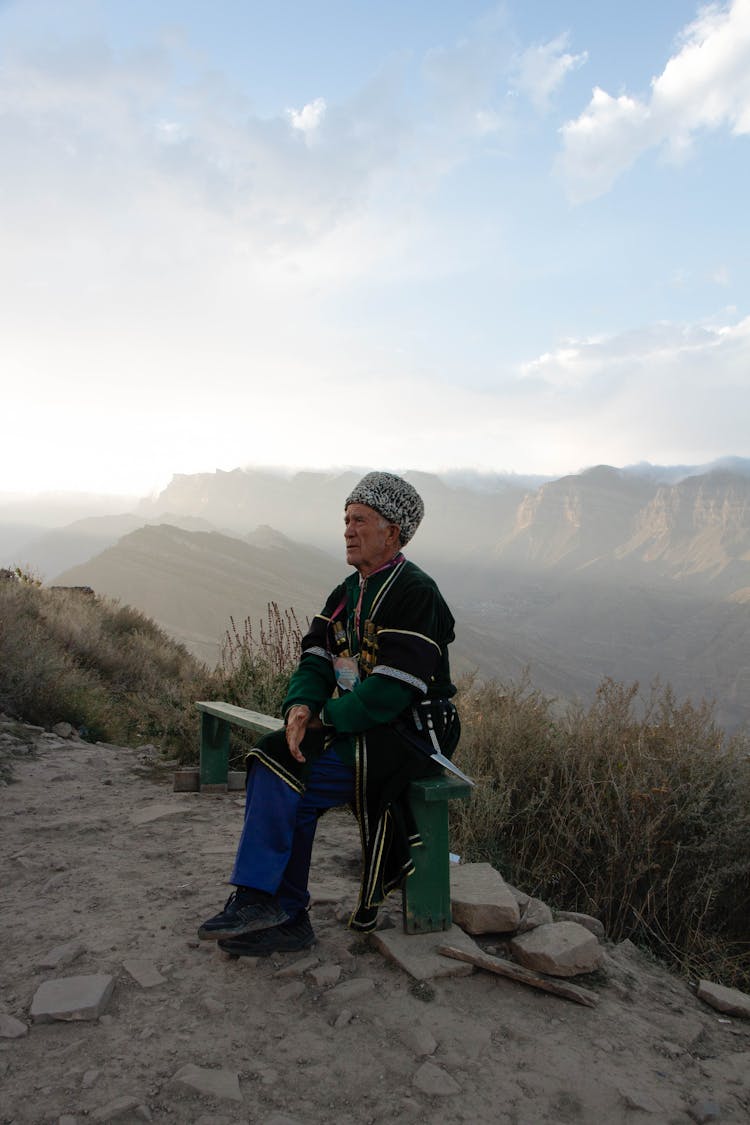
(98, 851)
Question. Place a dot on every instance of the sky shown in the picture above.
(507, 237)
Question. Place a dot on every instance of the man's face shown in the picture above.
(370, 540)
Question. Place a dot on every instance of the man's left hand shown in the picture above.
(299, 720)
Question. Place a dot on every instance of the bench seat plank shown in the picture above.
(241, 716)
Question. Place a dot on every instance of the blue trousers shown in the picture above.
(277, 837)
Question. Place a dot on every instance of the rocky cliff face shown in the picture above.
(575, 520)
(698, 529)
(700, 526)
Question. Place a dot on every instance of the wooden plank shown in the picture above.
(240, 716)
(524, 976)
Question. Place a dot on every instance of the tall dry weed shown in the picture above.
(257, 661)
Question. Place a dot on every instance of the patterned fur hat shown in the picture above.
(394, 498)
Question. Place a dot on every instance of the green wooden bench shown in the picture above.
(426, 893)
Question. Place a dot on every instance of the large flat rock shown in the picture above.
(417, 954)
(72, 998)
(481, 900)
(560, 949)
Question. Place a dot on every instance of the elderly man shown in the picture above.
(367, 703)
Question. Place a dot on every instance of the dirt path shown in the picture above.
(95, 850)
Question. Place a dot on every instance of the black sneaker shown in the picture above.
(289, 937)
(244, 911)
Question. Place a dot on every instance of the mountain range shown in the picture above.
(623, 572)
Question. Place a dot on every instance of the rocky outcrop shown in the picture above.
(483, 903)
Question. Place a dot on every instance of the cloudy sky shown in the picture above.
(509, 236)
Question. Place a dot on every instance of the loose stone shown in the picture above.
(116, 1109)
(561, 949)
(72, 998)
(729, 1000)
(325, 976)
(11, 1028)
(430, 1079)
(61, 955)
(143, 972)
(215, 1083)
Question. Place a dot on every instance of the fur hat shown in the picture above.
(394, 498)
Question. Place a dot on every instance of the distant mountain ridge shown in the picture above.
(192, 582)
(62, 547)
(697, 528)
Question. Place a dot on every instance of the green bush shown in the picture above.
(635, 811)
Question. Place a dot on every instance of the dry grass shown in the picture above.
(104, 668)
(636, 811)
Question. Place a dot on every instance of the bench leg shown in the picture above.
(214, 759)
(427, 893)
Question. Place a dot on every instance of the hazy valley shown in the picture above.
(629, 573)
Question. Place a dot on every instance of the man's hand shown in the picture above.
(298, 720)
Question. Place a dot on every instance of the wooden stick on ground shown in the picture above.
(525, 976)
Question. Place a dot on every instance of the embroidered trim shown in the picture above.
(317, 651)
(377, 858)
(397, 674)
(407, 869)
(274, 766)
(377, 600)
(360, 812)
(411, 633)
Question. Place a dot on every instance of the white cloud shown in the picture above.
(541, 69)
(705, 85)
(308, 119)
(666, 392)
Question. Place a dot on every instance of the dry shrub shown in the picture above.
(255, 667)
(636, 811)
(105, 668)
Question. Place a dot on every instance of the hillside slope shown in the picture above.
(191, 583)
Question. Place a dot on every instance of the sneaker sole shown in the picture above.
(242, 928)
(265, 949)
